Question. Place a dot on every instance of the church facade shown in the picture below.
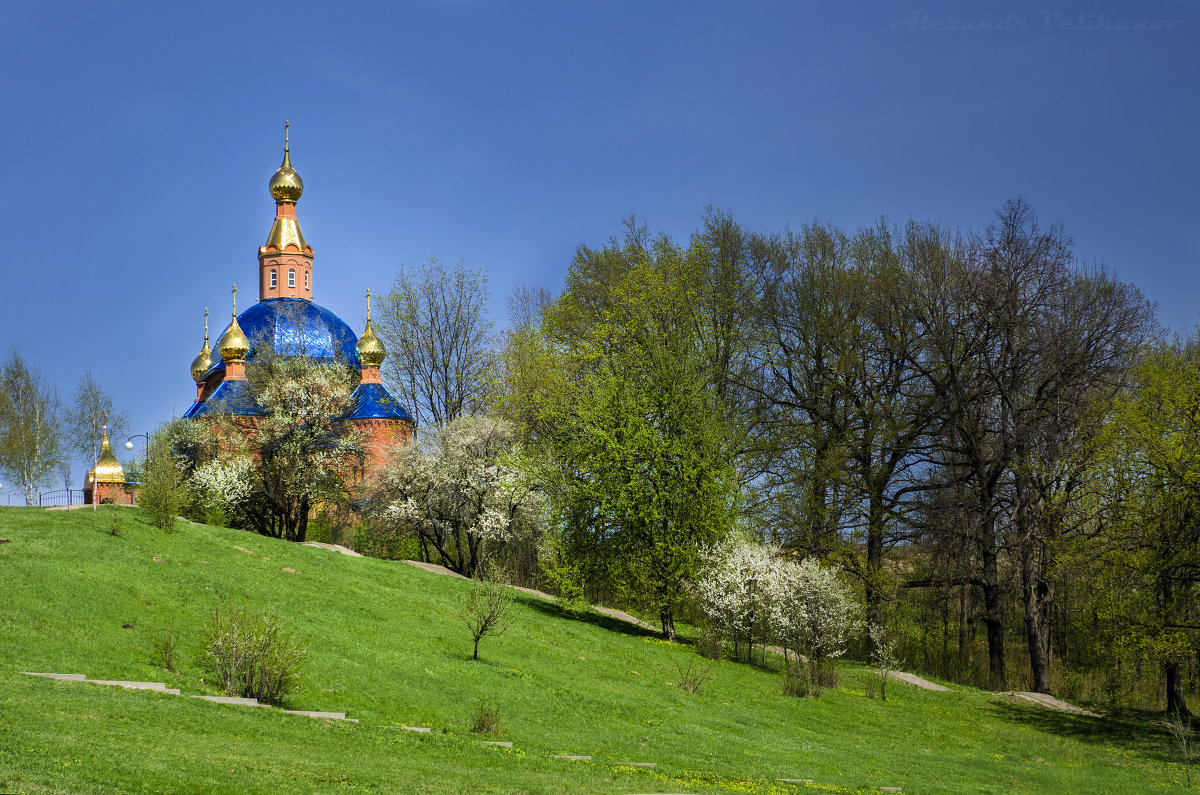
(287, 322)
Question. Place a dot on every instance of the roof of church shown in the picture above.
(230, 397)
(372, 401)
(295, 327)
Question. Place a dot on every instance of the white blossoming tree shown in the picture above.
(460, 490)
(813, 612)
(752, 591)
(268, 471)
(733, 587)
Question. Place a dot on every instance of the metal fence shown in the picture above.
(47, 499)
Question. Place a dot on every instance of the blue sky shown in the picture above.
(139, 137)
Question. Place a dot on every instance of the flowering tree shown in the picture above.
(267, 471)
(812, 611)
(460, 490)
(734, 584)
(749, 589)
(223, 486)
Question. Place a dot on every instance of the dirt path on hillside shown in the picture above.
(1051, 702)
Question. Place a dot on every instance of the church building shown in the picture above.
(287, 322)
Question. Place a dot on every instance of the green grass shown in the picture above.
(386, 647)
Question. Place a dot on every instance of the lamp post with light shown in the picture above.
(145, 443)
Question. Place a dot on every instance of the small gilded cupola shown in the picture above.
(203, 361)
(108, 469)
(285, 262)
(233, 346)
(370, 349)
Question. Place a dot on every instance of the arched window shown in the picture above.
(273, 279)
(306, 280)
(291, 277)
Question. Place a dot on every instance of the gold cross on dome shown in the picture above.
(368, 304)
(235, 300)
(286, 124)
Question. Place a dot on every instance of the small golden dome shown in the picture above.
(285, 184)
(108, 468)
(233, 345)
(370, 348)
(203, 360)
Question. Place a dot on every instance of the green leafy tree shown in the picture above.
(1151, 448)
(631, 434)
(164, 491)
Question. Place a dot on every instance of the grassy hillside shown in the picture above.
(386, 647)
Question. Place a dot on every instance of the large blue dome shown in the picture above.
(295, 327)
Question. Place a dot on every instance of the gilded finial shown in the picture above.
(235, 300)
(368, 304)
(285, 184)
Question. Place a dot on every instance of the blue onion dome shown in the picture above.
(296, 327)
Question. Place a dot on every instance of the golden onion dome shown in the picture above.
(285, 184)
(370, 348)
(108, 468)
(233, 345)
(203, 360)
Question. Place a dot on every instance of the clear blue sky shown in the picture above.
(138, 139)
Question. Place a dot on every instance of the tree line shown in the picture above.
(987, 439)
(975, 427)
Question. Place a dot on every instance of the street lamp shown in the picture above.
(146, 443)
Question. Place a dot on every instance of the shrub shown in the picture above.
(693, 673)
(165, 647)
(796, 682)
(486, 719)
(252, 655)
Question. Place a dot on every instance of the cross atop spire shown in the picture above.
(234, 304)
(368, 304)
(206, 326)
(286, 125)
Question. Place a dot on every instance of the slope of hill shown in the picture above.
(387, 648)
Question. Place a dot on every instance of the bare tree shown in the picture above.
(485, 611)
(31, 449)
(85, 417)
(434, 323)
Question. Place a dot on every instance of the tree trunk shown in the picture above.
(993, 604)
(1175, 702)
(874, 565)
(668, 623)
(1032, 592)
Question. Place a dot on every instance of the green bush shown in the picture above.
(252, 655)
(486, 719)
